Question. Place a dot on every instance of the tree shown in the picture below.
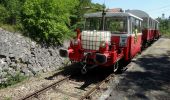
(4, 13)
(84, 6)
(164, 26)
(48, 20)
(13, 8)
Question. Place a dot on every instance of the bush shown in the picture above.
(12, 80)
(4, 14)
(164, 27)
(13, 8)
(48, 20)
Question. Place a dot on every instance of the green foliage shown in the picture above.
(164, 26)
(10, 28)
(13, 9)
(11, 80)
(48, 20)
(4, 13)
(96, 7)
(85, 6)
(7, 98)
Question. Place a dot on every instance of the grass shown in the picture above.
(165, 33)
(12, 80)
(7, 98)
(11, 28)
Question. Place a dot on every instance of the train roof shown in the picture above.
(156, 20)
(138, 13)
(141, 14)
(110, 14)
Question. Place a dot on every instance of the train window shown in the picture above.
(150, 23)
(136, 24)
(145, 23)
(93, 23)
(116, 24)
(157, 26)
(140, 26)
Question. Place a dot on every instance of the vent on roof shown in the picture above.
(115, 10)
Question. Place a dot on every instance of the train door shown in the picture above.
(135, 36)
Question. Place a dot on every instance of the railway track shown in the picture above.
(38, 92)
(57, 87)
(87, 95)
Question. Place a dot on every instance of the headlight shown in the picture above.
(103, 44)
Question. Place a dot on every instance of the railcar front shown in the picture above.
(106, 38)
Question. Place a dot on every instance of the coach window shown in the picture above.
(136, 24)
(150, 23)
(133, 24)
(153, 24)
(157, 26)
(145, 23)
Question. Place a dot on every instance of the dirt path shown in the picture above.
(149, 76)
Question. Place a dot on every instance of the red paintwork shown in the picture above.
(132, 46)
(113, 53)
(135, 46)
(156, 34)
(78, 33)
(149, 35)
(75, 51)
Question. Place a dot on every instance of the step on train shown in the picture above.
(111, 36)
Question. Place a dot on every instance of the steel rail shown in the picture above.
(38, 92)
(87, 94)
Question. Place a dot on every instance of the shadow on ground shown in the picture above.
(152, 82)
(93, 76)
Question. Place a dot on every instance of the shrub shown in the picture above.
(48, 20)
(4, 13)
(13, 8)
(11, 80)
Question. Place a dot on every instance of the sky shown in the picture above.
(155, 8)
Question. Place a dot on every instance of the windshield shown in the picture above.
(114, 24)
(93, 23)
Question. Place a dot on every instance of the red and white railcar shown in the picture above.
(107, 38)
(150, 26)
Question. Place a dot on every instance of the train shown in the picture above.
(111, 36)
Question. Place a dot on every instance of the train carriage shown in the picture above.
(107, 38)
(150, 27)
(156, 31)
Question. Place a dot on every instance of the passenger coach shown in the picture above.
(150, 27)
